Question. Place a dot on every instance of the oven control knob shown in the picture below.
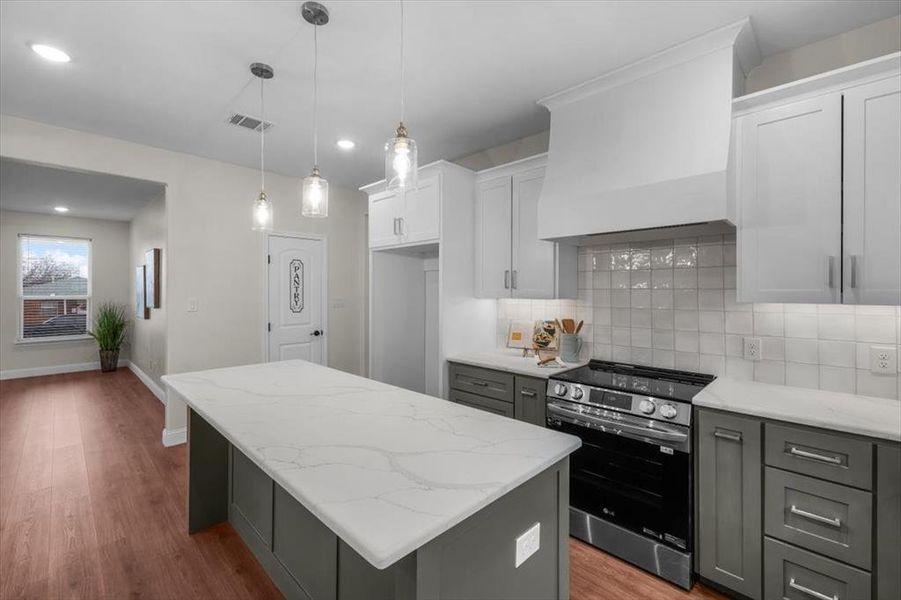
(647, 407)
(669, 411)
(560, 389)
(577, 393)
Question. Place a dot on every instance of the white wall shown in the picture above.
(148, 337)
(857, 45)
(213, 255)
(529, 145)
(111, 282)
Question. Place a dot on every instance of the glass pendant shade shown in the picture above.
(314, 202)
(262, 213)
(401, 161)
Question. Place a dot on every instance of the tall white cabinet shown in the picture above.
(511, 261)
(819, 190)
(422, 306)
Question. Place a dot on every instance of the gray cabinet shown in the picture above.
(728, 503)
(529, 402)
(251, 495)
(795, 573)
(516, 396)
(888, 518)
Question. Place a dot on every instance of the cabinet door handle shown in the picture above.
(810, 592)
(527, 393)
(479, 383)
(514, 278)
(832, 460)
(732, 437)
(836, 522)
(506, 280)
(853, 274)
(395, 225)
(400, 223)
(830, 268)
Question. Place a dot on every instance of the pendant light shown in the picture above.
(401, 162)
(314, 201)
(262, 207)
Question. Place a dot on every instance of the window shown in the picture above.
(54, 287)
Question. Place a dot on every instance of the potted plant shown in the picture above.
(110, 331)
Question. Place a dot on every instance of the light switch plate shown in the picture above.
(883, 360)
(192, 304)
(752, 348)
(527, 544)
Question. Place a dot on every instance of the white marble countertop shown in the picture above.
(384, 468)
(848, 413)
(511, 360)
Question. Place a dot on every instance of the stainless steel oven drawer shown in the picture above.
(797, 574)
(828, 518)
(484, 382)
(833, 457)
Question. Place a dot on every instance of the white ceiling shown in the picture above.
(34, 188)
(168, 73)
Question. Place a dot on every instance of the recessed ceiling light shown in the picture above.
(50, 53)
(346, 144)
(61, 209)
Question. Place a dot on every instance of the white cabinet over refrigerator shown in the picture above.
(511, 261)
(421, 257)
(819, 188)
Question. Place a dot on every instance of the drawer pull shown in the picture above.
(810, 592)
(527, 394)
(732, 437)
(832, 460)
(836, 522)
(479, 383)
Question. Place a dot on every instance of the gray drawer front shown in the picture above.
(795, 574)
(498, 407)
(833, 457)
(824, 517)
(484, 382)
(530, 402)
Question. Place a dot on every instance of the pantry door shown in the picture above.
(297, 297)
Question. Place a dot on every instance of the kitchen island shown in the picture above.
(344, 487)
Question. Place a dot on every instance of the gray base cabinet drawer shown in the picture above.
(498, 407)
(833, 457)
(530, 404)
(794, 574)
(817, 515)
(251, 494)
(484, 382)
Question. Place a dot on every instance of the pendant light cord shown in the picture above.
(315, 97)
(403, 74)
(262, 138)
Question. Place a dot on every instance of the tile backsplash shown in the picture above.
(672, 303)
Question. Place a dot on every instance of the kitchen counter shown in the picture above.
(386, 469)
(511, 361)
(849, 413)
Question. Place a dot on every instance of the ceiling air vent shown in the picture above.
(248, 122)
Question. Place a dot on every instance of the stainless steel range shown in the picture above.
(631, 481)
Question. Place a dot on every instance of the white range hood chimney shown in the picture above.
(647, 145)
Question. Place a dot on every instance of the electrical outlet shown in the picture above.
(527, 544)
(192, 304)
(752, 348)
(883, 360)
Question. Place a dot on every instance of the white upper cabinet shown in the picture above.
(872, 197)
(511, 261)
(790, 203)
(819, 189)
(397, 219)
(493, 238)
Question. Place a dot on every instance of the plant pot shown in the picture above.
(109, 360)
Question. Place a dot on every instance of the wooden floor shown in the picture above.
(92, 506)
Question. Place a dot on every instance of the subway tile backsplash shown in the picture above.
(672, 303)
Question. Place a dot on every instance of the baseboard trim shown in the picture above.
(148, 382)
(174, 437)
(56, 369)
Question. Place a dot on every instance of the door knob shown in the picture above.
(317, 332)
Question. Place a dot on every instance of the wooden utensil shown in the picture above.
(559, 326)
(569, 326)
(579, 326)
(547, 360)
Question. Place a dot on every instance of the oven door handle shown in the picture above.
(574, 417)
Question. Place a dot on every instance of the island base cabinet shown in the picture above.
(728, 502)
(306, 560)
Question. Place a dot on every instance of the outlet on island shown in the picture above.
(527, 544)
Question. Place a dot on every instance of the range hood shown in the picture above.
(648, 145)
